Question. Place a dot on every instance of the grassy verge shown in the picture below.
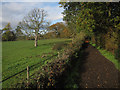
(109, 56)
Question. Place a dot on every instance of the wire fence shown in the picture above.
(30, 68)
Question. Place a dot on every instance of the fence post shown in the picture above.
(58, 54)
(27, 75)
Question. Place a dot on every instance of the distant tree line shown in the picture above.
(58, 30)
(8, 34)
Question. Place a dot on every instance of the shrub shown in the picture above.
(59, 46)
(8, 36)
(117, 54)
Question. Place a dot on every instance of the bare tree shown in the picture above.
(35, 21)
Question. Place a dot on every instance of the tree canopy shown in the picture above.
(99, 20)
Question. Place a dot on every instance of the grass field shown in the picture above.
(17, 55)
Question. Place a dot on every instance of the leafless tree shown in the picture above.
(34, 22)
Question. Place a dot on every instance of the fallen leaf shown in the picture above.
(98, 85)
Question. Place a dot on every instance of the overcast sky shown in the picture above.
(14, 12)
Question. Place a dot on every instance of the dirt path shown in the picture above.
(97, 71)
(90, 70)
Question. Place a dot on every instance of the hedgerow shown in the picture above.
(50, 73)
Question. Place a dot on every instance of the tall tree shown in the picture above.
(78, 16)
(8, 34)
(70, 13)
(35, 21)
(18, 31)
(7, 27)
(0, 31)
(58, 27)
(97, 18)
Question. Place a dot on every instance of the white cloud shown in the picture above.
(60, 0)
(0, 15)
(55, 13)
(14, 12)
(30, 0)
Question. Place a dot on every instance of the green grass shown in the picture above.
(109, 56)
(17, 55)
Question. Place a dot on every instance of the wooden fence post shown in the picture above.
(58, 54)
(27, 75)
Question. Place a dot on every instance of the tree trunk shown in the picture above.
(36, 39)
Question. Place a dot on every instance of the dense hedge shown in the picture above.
(117, 51)
(49, 75)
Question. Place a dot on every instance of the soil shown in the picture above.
(99, 72)
(95, 71)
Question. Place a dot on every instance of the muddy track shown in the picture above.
(93, 71)
(98, 71)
